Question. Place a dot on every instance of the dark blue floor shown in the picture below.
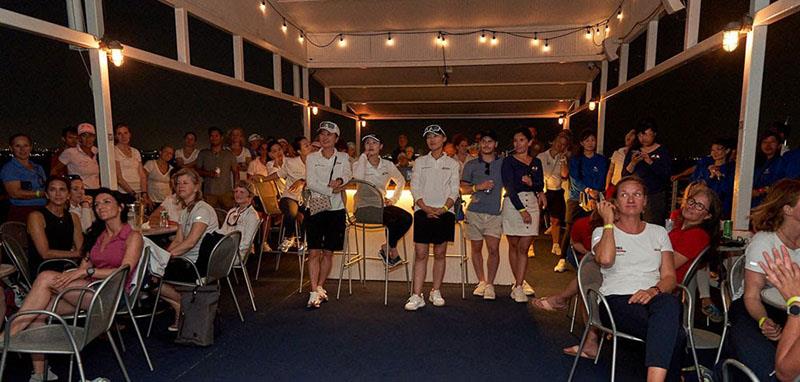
(357, 338)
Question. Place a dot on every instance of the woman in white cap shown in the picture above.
(81, 160)
(372, 168)
(131, 177)
(327, 171)
(434, 187)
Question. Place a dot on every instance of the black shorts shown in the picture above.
(556, 206)
(325, 230)
(434, 231)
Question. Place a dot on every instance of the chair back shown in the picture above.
(590, 278)
(16, 230)
(268, 194)
(221, 215)
(736, 278)
(367, 203)
(19, 258)
(692, 271)
(731, 363)
(104, 304)
(138, 277)
(222, 257)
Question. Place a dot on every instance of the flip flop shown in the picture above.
(544, 304)
(573, 350)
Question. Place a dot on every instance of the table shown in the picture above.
(771, 296)
(158, 231)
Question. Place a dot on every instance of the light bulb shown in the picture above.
(363, 123)
(342, 42)
(592, 105)
(301, 38)
(494, 39)
(560, 120)
(263, 6)
(619, 14)
(314, 110)
(389, 41)
(730, 40)
(116, 57)
(482, 39)
(284, 27)
(588, 34)
(597, 31)
(535, 40)
(546, 47)
(607, 29)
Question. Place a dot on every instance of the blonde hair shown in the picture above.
(769, 215)
(247, 185)
(195, 177)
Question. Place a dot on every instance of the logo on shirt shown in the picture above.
(621, 251)
(595, 169)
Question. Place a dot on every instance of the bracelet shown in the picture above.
(656, 288)
(474, 189)
(608, 226)
(522, 209)
(761, 321)
(792, 300)
(444, 209)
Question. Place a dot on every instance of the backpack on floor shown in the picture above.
(198, 315)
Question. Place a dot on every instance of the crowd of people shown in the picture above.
(616, 210)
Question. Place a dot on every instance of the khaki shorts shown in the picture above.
(479, 225)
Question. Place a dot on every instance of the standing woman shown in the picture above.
(54, 232)
(717, 172)
(187, 155)
(23, 179)
(236, 145)
(372, 168)
(158, 175)
(651, 162)
(131, 177)
(618, 163)
(769, 166)
(524, 183)
(328, 171)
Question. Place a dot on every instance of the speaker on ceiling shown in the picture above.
(672, 6)
(610, 47)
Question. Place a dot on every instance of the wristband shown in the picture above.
(609, 226)
(38, 194)
(658, 290)
(761, 321)
(522, 209)
(444, 209)
(793, 300)
(474, 189)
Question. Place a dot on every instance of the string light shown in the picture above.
(482, 39)
(588, 33)
(342, 42)
(389, 41)
(301, 37)
(284, 27)
(314, 109)
(592, 105)
(597, 31)
(619, 14)
(546, 47)
(607, 29)
(263, 6)
(440, 39)
(494, 39)
(535, 40)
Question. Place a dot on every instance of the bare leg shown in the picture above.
(477, 259)
(314, 260)
(555, 230)
(493, 261)
(513, 241)
(325, 267)
(38, 299)
(522, 259)
(439, 263)
(420, 266)
(656, 374)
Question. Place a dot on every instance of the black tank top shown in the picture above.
(58, 231)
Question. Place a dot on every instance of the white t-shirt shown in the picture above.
(618, 160)
(246, 223)
(201, 213)
(242, 160)
(551, 167)
(158, 187)
(761, 242)
(181, 158)
(638, 261)
(293, 169)
(129, 167)
(85, 214)
(82, 164)
(257, 168)
(271, 169)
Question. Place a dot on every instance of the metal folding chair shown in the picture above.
(729, 364)
(17, 231)
(240, 264)
(19, 257)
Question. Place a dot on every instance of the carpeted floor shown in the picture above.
(357, 338)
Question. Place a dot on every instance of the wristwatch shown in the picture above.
(90, 271)
(793, 306)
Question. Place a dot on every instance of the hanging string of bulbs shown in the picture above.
(485, 35)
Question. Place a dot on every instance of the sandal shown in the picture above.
(573, 350)
(543, 303)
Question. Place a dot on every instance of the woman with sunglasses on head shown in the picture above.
(53, 232)
(23, 179)
(110, 244)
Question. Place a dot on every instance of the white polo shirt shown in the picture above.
(319, 174)
(82, 164)
(551, 167)
(435, 180)
(129, 167)
(293, 169)
(380, 175)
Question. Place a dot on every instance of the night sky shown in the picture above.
(44, 86)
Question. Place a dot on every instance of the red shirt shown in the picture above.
(582, 232)
(688, 242)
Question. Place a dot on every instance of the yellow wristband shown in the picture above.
(38, 194)
(474, 189)
(792, 300)
(608, 226)
(522, 209)
(761, 321)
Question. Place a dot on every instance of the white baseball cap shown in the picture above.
(329, 127)
(433, 129)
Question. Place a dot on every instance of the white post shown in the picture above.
(277, 77)
(306, 119)
(182, 34)
(238, 57)
(296, 81)
(94, 18)
(306, 87)
(588, 91)
(358, 136)
(692, 24)
(652, 42)
(748, 121)
(624, 50)
(344, 107)
(327, 96)
(601, 107)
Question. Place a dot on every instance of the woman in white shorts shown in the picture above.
(524, 183)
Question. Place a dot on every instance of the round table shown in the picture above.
(158, 231)
(771, 296)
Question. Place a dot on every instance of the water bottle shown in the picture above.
(132, 217)
(164, 222)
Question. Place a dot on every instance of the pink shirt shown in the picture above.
(114, 252)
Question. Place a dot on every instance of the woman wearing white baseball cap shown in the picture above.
(81, 160)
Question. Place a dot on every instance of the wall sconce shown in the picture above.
(592, 105)
(314, 109)
(732, 31)
(114, 49)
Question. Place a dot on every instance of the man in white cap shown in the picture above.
(434, 187)
(254, 141)
(82, 159)
(326, 172)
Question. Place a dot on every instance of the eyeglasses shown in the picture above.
(694, 204)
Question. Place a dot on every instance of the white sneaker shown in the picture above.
(415, 302)
(488, 293)
(479, 290)
(322, 293)
(527, 288)
(561, 266)
(436, 298)
(266, 247)
(518, 295)
(531, 252)
(556, 250)
(313, 300)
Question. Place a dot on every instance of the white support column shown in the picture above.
(692, 27)
(306, 87)
(94, 18)
(588, 91)
(601, 107)
(358, 136)
(277, 77)
(182, 34)
(566, 123)
(344, 107)
(652, 43)
(748, 121)
(624, 51)
(306, 119)
(238, 57)
(296, 91)
(327, 96)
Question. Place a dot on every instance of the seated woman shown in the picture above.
(53, 232)
(197, 219)
(111, 244)
(80, 204)
(372, 168)
(755, 326)
(636, 261)
(242, 218)
(170, 204)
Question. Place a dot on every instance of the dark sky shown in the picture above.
(44, 85)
